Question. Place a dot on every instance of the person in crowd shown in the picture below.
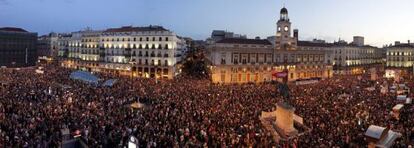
(34, 108)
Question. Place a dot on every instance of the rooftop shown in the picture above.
(402, 45)
(136, 29)
(244, 41)
(336, 44)
(314, 44)
(12, 29)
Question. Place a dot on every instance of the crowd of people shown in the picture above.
(34, 108)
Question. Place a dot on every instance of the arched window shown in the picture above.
(166, 62)
(140, 46)
(153, 38)
(159, 46)
(160, 39)
(146, 46)
(166, 39)
(153, 46)
(135, 39)
(166, 46)
(147, 38)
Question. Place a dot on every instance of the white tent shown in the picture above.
(408, 101)
(380, 136)
(401, 97)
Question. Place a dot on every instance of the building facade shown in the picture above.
(47, 45)
(400, 56)
(354, 58)
(135, 51)
(17, 47)
(256, 60)
(241, 60)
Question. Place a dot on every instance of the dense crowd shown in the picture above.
(187, 112)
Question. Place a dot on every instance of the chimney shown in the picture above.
(296, 34)
(397, 42)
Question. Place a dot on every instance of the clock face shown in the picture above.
(278, 29)
(286, 28)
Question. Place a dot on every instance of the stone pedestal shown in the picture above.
(284, 119)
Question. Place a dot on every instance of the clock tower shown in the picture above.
(284, 40)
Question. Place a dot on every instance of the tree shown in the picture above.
(196, 65)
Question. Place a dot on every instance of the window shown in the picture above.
(160, 39)
(147, 38)
(146, 46)
(236, 61)
(166, 62)
(166, 39)
(159, 62)
(135, 39)
(166, 46)
(159, 46)
(140, 46)
(117, 39)
(153, 38)
(153, 46)
(140, 39)
(223, 61)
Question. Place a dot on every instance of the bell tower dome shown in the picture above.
(284, 40)
(284, 14)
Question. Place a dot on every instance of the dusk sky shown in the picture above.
(380, 21)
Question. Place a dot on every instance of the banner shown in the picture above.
(280, 74)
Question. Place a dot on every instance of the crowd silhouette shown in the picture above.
(183, 112)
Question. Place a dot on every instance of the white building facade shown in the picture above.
(400, 56)
(136, 51)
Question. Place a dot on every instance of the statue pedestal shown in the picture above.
(284, 119)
